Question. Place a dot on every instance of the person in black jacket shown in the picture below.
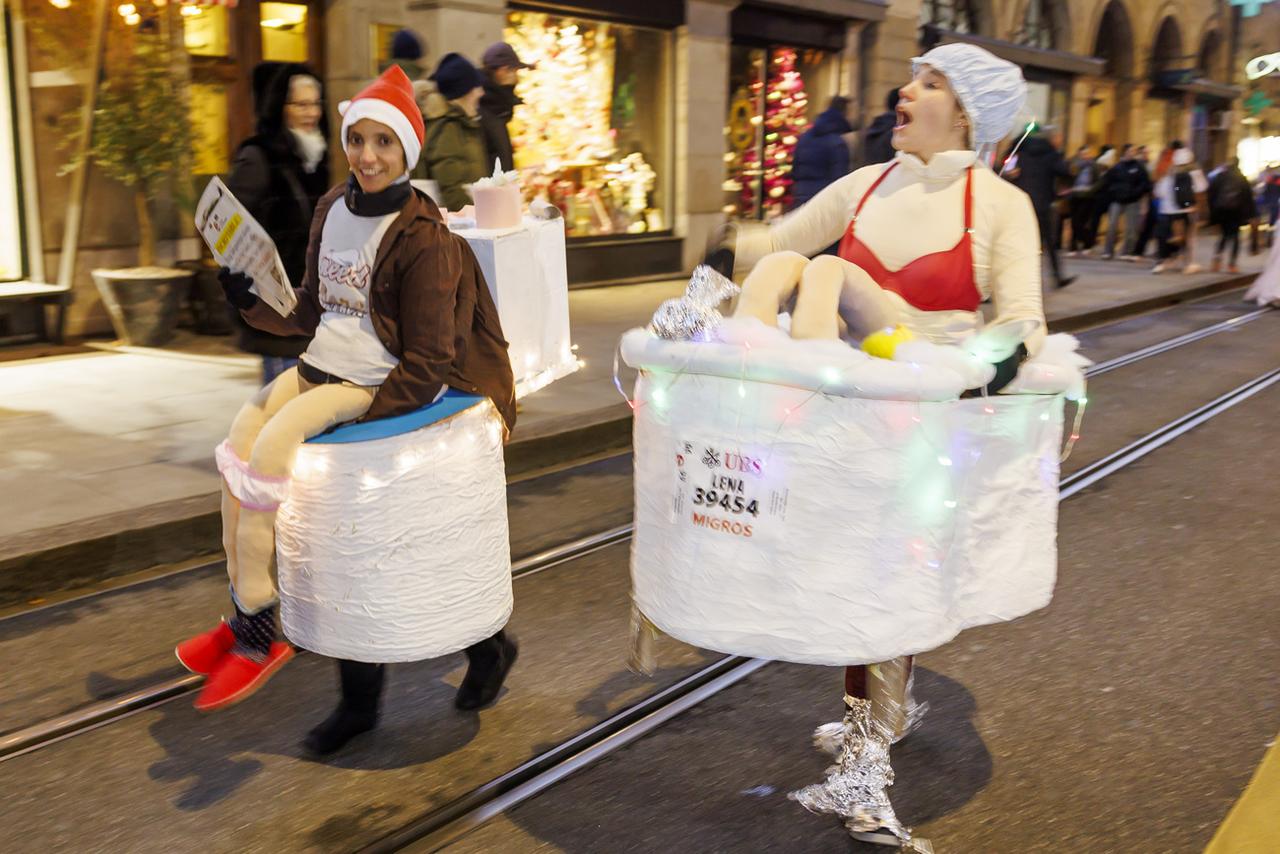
(498, 104)
(1037, 167)
(877, 139)
(279, 174)
(821, 156)
(1126, 184)
(1231, 205)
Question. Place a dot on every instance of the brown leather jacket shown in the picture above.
(430, 307)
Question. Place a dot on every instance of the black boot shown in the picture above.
(488, 664)
(356, 713)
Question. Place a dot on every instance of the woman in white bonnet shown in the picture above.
(923, 241)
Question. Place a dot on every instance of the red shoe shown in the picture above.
(202, 653)
(237, 677)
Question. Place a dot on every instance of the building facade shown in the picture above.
(648, 122)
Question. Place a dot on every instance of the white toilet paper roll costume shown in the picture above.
(798, 499)
(400, 314)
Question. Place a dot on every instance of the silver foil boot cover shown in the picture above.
(642, 657)
(892, 684)
(856, 788)
(886, 687)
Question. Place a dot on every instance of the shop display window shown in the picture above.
(593, 134)
(284, 32)
(774, 93)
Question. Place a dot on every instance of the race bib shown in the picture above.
(726, 491)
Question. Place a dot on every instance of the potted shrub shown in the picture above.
(142, 137)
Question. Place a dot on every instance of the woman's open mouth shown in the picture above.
(904, 119)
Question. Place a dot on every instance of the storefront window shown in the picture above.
(204, 30)
(592, 134)
(774, 94)
(380, 36)
(284, 32)
(10, 224)
(1048, 103)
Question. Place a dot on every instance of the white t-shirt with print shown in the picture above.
(345, 343)
(1165, 199)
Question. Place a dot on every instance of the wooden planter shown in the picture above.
(143, 302)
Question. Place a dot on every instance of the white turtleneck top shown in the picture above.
(918, 210)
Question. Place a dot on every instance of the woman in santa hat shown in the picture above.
(399, 311)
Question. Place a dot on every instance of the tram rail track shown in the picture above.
(441, 826)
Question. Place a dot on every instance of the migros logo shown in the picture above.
(728, 526)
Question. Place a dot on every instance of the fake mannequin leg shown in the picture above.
(830, 289)
(315, 410)
(856, 788)
(202, 653)
(260, 486)
(248, 423)
(769, 285)
(361, 684)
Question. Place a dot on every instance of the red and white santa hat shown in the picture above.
(388, 100)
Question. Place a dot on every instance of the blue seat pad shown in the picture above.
(451, 404)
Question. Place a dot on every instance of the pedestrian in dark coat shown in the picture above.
(821, 156)
(279, 174)
(1038, 168)
(497, 105)
(406, 50)
(1231, 205)
(1124, 186)
(877, 139)
(454, 150)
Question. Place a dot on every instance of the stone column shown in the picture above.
(851, 82)
(1079, 114)
(701, 108)
(1129, 111)
(896, 41)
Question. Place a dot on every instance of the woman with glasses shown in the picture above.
(279, 174)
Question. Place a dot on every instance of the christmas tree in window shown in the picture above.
(785, 106)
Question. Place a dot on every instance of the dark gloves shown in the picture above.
(1006, 372)
(236, 287)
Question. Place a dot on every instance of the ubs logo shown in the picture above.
(711, 458)
(738, 461)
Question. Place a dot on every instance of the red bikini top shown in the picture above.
(939, 281)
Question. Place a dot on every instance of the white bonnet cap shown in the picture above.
(990, 89)
(1183, 157)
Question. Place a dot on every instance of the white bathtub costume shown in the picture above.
(800, 500)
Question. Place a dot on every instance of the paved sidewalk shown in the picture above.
(121, 439)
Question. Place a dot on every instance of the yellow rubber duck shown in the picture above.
(884, 343)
